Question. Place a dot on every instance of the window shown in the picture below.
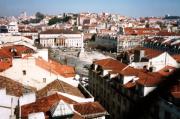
(44, 80)
(24, 72)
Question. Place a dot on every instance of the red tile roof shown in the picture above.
(176, 57)
(167, 70)
(130, 84)
(175, 91)
(149, 79)
(59, 86)
(166, 33)
(149, 53)
(130, 71)
(81, 109)
(56, 68)
(19, 49)
(5, 63)
(43, 105)
(13, 88)
(88, 109)
(110, 64)
(141, 31)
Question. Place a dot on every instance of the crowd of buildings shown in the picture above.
(34, 86)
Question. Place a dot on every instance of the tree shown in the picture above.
(66, 18)
(54, 20)
(39, 16)
(147, 25)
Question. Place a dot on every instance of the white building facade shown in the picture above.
(70, 40)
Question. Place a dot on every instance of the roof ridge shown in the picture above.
(61, 86)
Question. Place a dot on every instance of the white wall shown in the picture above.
(27, 98)
(71, 40)
(5, 113)
(43, 53)
(126, 79)
(5, 104)
(34, 74)
(147, 90)
(138, 65)
(105, 72)
(161, 61)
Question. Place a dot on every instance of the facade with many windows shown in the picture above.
(123, 90)
(61, 38)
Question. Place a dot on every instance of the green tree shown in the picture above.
(54, 20)
(66, 18)
(39, 16)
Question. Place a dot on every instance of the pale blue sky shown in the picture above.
(133, 8)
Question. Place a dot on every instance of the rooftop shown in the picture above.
(110, 63)
(149, 79)
(59, 31)
(55, 67)
(89, 108)
(59, 86)
(46, 104)
(14, 51)
(14, 88)
(149, 53)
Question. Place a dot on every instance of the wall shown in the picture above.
(34, 74)
(71, 40)
(161, 61)
(27, 98)
(5, 104)
(126, 79)
(148, 90)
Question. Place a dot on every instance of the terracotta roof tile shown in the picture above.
(149, 79)
(176, 57)
(90, 109)
(175, 90)
(44, 104)
(110, 64)
(59, 86)
(130, 84)
(141, 31)
(5, 63)
(130, 71)
(18, 50)
(56, 68)
(13, 87)
(167, 70)
(149, 53)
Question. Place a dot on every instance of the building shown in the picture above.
(170, 44)
(10, 93)
(58, 106)
(33, 68)
(106, 42)
(61, 38)
(13, 27)
(125, 43)
(123, 90)
(141, 31)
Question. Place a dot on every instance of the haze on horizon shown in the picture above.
(134, 8)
